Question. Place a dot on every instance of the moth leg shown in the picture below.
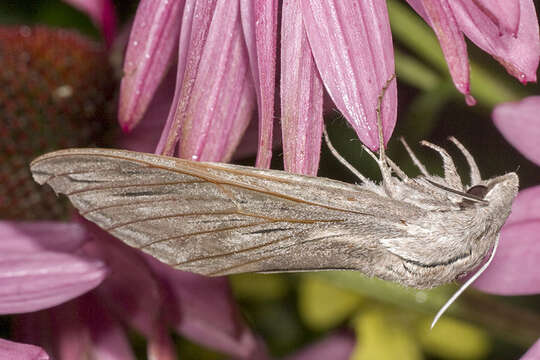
(340, 158)
(392, 164)
(450, 173)
(415, 160)
(400, 173)
(475, 172)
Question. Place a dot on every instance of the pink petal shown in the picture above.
(518, 51)
(160, 345)
(145, 136)
(79, 329)
(526, 206)
(336, 347)
(504, 14)
(203, 310)
(249, 144)
(216, 106)
(221, 104)
(259, 22)
(152, 41)
(38, 280)
(439, 15)
(17, 351)
(130, 290)
(520, 125)
(514, 268)
(196, 21)
(301, 96)
(102, 13)
(38, 267)
(19, 236)
(352, 46)
(533, 353)
(107, 336)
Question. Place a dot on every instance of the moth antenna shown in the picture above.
(415, 160)
(466, 285)
(476, 178)
(450, 172)
(340, 158)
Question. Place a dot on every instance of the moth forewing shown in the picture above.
(218, 219)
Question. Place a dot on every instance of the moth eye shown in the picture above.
(478, 190)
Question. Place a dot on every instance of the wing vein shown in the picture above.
(225, 270)
(121, 186)
(170, 216)
(235, 251)
(203, 232)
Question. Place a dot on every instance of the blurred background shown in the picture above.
(288, 311)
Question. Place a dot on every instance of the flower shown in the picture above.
(147, 295)
(508, 31)
(72, 286)
(227, 61)
(514, 267)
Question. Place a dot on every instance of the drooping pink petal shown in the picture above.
(301, 95)
(79, 329)
(221, 103)
(160, 345)
(259, 22)
(203, 310)
(533, 353)
(39, 267)
(438, 14)
(504, 14)
(107, 336)
(102, 14)
(152, 42)
(214, 97)
(518, 51)
(336, 347)
(12, 350)
(526, 206)
(19, 236)
(352, 46)
(249, 144)
(130, 290)
(514, 268)
(30, 281)
(520, 125)
(196, 21)
(145, 137)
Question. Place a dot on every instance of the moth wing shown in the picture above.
(211, 218)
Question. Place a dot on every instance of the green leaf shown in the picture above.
(381, 337)
(323, 306)
(454, 339)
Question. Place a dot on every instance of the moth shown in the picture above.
(219, 219)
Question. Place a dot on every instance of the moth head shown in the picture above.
(498, 192)
(500, 189)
